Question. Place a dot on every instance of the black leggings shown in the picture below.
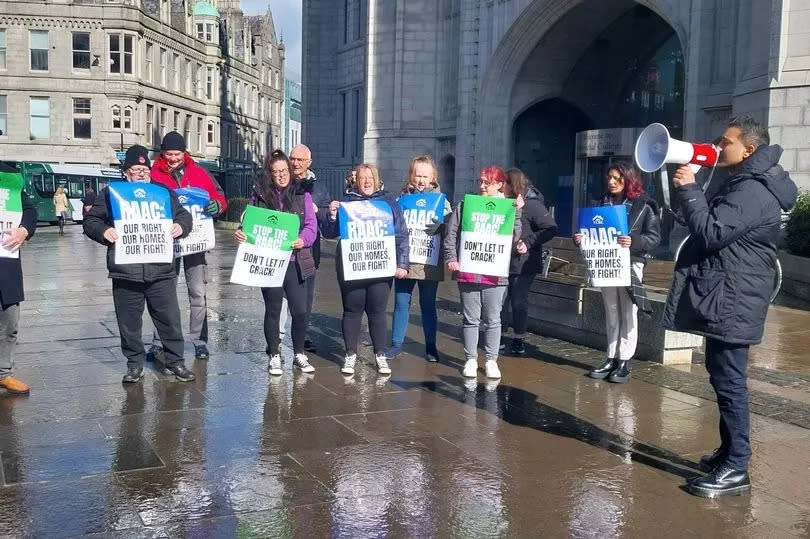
(369, 296)
(517, 301)
(296, 292)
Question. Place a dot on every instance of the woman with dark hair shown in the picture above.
(481, 295)
(623, 184)
(537, 227)
(275, 191)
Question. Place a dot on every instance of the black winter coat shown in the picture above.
(320, 196)
(11, 275)
(645, 228)
(331, 229)
(537, 227)
(99, 219)
(725, 273)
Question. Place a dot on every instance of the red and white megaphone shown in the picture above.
(655, 148)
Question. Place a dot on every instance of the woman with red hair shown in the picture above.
(623, 186)
(481, 295)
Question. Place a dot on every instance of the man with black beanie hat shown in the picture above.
(134, 284)
(175, 169)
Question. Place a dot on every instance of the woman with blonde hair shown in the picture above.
(61, 205)
(369, 296)
(423, 177)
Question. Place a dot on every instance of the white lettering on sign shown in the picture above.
(141, 209)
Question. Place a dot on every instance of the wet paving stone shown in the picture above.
(544, 452)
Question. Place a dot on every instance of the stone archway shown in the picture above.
(564, 32)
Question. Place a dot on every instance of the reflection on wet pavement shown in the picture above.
(422, 453)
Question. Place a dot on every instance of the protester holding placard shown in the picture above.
(134, 283)
(175, 169)
(275, 191)
(425, 209)
(373, 248)
(537, 227)
(482, 235)
(624, 188)
(18, 222)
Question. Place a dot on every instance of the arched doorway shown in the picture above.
(543, 140)
(606, 65)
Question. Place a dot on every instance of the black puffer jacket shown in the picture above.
(99, 219)
(331, 229)
(724, 275)
(537, 227)
(645, 228)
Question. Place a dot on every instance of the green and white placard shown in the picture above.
(11, 185)
(262, 259)
(486, 235)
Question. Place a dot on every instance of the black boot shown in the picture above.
(723, 481)
(710, 462)
(518, 348)
(134, 374)
(621, 374)
(603, 370)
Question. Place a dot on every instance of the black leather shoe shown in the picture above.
(723, 481)
(309, 346)
(603, 370)
(179, 371)
(201, 351)
(621, 374)
(134, 374)
(710, 462)
(518, 348)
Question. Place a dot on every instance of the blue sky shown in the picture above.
(287, 16)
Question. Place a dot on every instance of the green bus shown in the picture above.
(42, 179)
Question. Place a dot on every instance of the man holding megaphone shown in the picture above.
(723, 279)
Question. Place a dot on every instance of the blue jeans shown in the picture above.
(403, 292)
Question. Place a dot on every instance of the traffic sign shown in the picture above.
(120, 156)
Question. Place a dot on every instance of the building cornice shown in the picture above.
(50, 22)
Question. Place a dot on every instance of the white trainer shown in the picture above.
(348, 364)
(470, 368)
(382, 364)
(275, 365)
(302, 362)
(492, 370)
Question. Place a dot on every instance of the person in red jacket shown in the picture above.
(175, 168)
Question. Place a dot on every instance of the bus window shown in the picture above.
(75, 187)
(44, 184)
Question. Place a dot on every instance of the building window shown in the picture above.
(122, 48)
(200, 31)
(2, 48)
(81, 117)
(210, 132)
(175, 76)
(3, 115)
(39, 50)
(187, 129)
(128, 118)
(189, 78)
(199, 134)
(150, 124)
(200, 81)
(278, 80)
(176, 124)
(209, 33)
(209, 83)
(162, 121)
(40, 117)
(81, 50)
(116, 117)
(148, 52)
(163, 58)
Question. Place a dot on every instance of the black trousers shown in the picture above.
(517, 304)
(161, 301)
(369, 296)
(296, 291)
(727, 365)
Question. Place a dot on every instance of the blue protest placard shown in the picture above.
(142, 215)
(367, 239)
(420, 210)
(201, 238)
(607, 262)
